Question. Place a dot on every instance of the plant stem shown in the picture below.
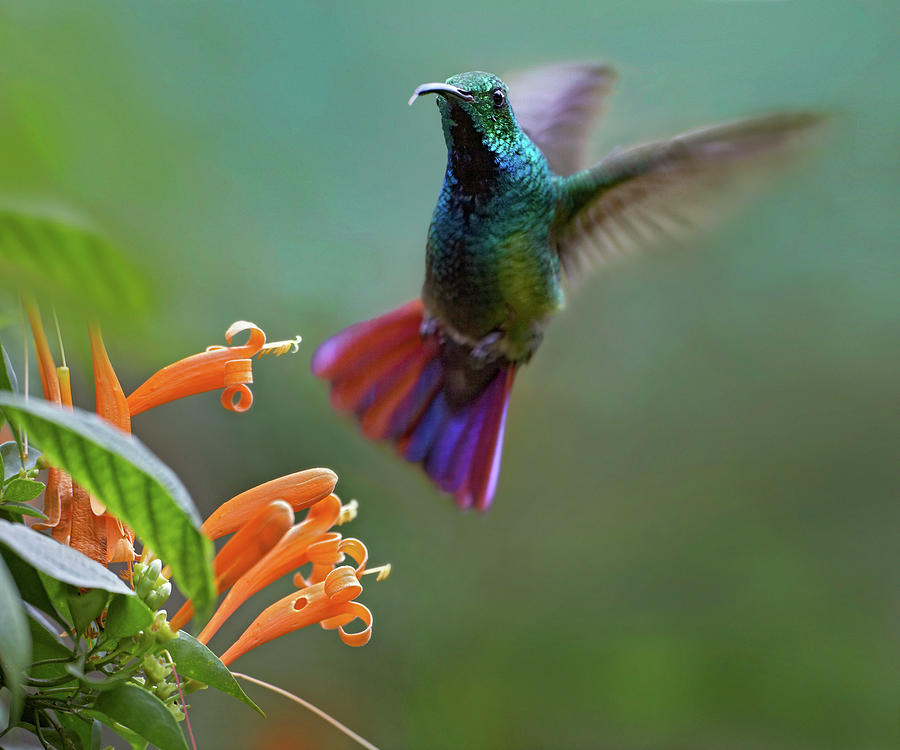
(310, 707)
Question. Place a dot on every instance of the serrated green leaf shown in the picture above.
(126, 616)
(59, 561)
(15, 640)
(193, 659)
(12, 461)
(22, 490)
(133, 484)
(143, 714)
(73, 265)
(86, 607)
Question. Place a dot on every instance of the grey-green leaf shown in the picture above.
(15, 640)
(59, 561)
(193, 659)
(143, 714)
(74, 265)
(133, 484)
(12, 461)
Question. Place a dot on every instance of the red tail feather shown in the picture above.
(392, 379)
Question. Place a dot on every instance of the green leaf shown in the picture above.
(142, 713)
(134, 485)
(29, 583)
(21, 509)
(22, 490)
(59, 561)
(126, 616)
(8, 381)
(45, 645)
(193, 659)
(86, 731)
(101, 684)
(86, 607)
(69, 263)
(15, 641)
(12, 461)
(136, 741)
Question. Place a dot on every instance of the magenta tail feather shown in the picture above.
(392, 380)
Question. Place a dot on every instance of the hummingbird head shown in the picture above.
(474, 107)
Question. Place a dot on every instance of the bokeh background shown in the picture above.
(695, 539)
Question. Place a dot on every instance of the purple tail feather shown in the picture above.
(393, 381)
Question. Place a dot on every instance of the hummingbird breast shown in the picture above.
(490, 266)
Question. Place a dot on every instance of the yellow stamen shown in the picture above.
(348, 513)
(381, 572)
(281, 347)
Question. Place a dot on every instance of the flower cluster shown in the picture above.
(266, 542)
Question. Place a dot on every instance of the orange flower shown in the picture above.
(329, 603)
(80, 520)
(299, 490)
(291, 552)
(244, 550)
(264, 549)
(219, 367)
(111, 405)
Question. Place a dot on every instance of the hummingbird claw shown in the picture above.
(428, 328)
(486, 350)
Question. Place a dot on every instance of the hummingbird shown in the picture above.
(520, 215)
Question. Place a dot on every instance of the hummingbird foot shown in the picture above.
(429, 327)
(489, 349)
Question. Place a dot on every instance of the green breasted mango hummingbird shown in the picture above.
(518, 215)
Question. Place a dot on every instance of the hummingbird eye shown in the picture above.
(499, 98)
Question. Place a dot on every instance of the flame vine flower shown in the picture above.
(95, 647)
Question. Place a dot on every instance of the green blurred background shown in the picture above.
(695, 539)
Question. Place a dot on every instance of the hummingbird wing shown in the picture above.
(665, 189)
(557, 106)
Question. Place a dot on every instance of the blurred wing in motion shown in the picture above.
(665, 189)
(557, 106)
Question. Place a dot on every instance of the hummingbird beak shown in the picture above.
(442, 89)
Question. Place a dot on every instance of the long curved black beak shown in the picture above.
(444, 89)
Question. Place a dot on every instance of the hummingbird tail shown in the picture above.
(392, 379)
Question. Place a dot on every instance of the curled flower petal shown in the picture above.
(324, 556)
(253, 540)
(299, 490)
(255, 342)
(324, 601)
(357, 550)
(207, 371)
(288, 554)
(244, 400)
(362, 637)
